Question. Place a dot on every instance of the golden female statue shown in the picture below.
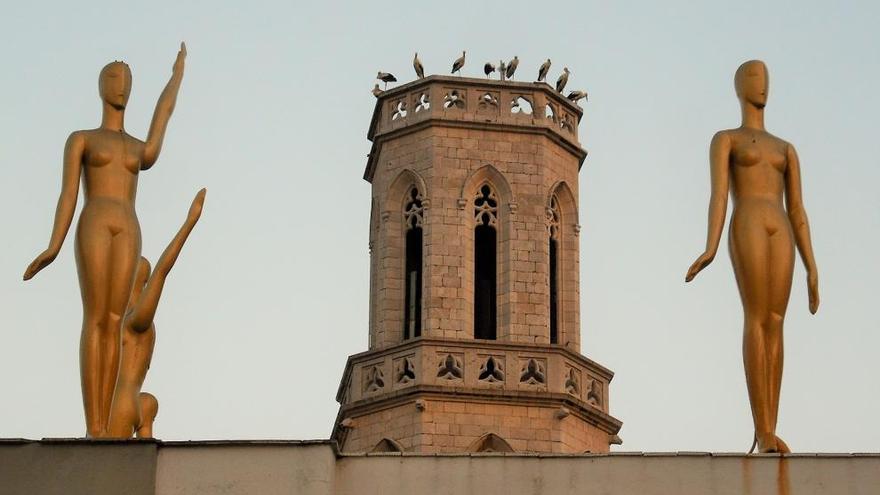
(108, 237)
(134, 411)
(759, 169)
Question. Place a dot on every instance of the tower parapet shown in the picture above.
(474, 298)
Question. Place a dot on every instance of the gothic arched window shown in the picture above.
(485, 263)
(413, 216)
(553, 248)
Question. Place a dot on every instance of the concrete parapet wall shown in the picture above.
(316, 468)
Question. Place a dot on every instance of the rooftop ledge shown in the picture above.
(510, 106)
(86, 467)
(331, 443)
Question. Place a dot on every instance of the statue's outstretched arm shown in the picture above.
(719, 159)
(144, 310)
(164, 108)
(794, 204)
(73, 152)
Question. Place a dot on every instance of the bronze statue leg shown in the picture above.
(92, 251)
(781, 267)
(124, 256)
(106, 261)
(749, 251)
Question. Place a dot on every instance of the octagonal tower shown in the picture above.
(474, 299)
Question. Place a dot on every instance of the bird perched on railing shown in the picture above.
(576, 96)
(377, 91)
(542, 71)
(386, 77)
(417, 65)
(563, 80)
(458, 64)
(502, 69)
(511, 67)
(488, 68)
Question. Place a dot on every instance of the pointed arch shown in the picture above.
(567, 202)
(490, 442)
(400, 186)
(387, 445)
(563, 263)
(486, 174)
(402, 213)
(373, 238)
(487, 243)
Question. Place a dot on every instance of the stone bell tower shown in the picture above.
(474, 299)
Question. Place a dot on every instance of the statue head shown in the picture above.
(752, 83)
(114, 84)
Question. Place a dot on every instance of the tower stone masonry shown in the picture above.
(474, 301)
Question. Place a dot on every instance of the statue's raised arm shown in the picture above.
(162, 114)
(144, 309)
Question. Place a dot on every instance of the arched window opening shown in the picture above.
(485, 263)
(553, 239)
(413, 214)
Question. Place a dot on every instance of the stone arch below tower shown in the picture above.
(387, 445)
(490, 442)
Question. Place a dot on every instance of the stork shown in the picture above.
(458, 64)
(386, 77)
(576, 96)
(563, 80)
(417, 65)
(511, 67)
(488, 68)
(542, 72)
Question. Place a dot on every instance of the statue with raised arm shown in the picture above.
(760, 171)
(108, 237)
(134, 411)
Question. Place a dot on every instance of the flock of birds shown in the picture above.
(505, 71)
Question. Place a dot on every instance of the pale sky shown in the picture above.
(270, 294)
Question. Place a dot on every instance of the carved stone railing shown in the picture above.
(474, 366)
(459, 100)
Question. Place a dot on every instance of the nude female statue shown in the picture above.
(134, 411)
(759, 169)
(108, 237)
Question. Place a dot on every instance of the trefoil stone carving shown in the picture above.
(571, 382)
(454, 99)
(423, 102)
(450, 368)
(594, 393)
(486, 206)
(533, 373)
(406, 371)
(491, 371)
(375, 379)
